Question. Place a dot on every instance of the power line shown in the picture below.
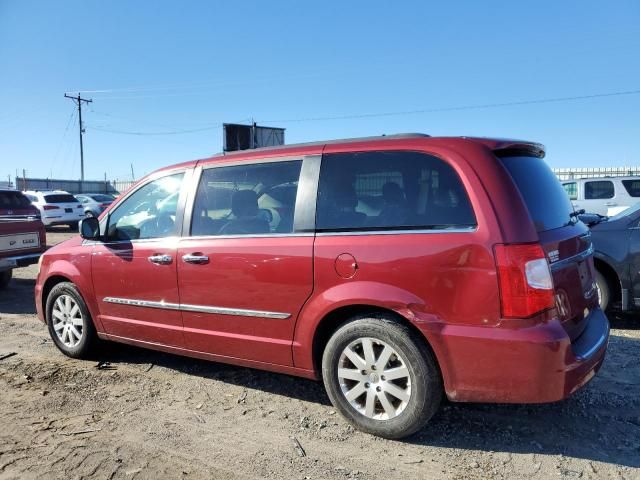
(64, 136)
(173, 132)
(537, 101)
(458, 108)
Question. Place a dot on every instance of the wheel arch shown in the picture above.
(339, 316)
(51, 282)
(612, 277)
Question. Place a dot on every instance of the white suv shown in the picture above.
(605, 195)
(57, 207)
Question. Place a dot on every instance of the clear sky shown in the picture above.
(158, 67)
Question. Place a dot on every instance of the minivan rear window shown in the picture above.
(60, 198)
(546, 200)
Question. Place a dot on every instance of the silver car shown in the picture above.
(94, 203)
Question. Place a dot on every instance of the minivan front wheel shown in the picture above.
(69, 321)
(381, 377)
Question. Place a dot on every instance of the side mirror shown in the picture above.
(90, 228)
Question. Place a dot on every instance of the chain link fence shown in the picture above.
(573, 173)
(73, 186)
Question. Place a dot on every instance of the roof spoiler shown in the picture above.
(525, 149)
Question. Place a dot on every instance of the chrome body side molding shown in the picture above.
(239, 312)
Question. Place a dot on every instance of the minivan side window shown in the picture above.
(389, 190)
(571, 189)
(252, 199)
(150, 212)
(598, 190)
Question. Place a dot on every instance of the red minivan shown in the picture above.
(397, 269)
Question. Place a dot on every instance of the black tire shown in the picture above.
(423, 374)
(88, 339)
(89, 214)
(604, 290)
(73, 226)
(5, 278)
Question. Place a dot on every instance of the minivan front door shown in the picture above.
(245, 273)
(134, 269)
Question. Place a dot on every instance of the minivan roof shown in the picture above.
(501, 147)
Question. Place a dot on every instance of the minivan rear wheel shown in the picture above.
(381, 377)
(70, 324)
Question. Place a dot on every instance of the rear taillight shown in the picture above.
(526, 285)
(50, 207)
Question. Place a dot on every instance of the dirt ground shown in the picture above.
(154, 415)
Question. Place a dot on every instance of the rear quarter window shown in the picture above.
(390, 190)
(546, 199)
(632, 187)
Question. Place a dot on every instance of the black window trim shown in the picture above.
(305, 205)
(418, 229)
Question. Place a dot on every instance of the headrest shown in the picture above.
(244, 203)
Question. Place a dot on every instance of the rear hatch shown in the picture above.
(14, 206)
(67, 205)
(565, 240)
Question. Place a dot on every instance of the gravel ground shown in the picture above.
(153, 415)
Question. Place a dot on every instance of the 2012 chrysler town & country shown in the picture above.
(397, 269)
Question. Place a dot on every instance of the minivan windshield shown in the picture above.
(546, 199)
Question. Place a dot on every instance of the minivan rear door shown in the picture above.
(245, 270)
(565, 240)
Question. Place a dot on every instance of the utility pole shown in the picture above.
(78, 101)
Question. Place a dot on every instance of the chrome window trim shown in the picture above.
(256, 235)
(397, 232)
(240, 312)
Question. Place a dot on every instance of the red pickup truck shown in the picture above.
(22, 234)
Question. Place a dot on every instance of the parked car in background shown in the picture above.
(606, 196)
(398, 269)
(14, 205)
(616, 241)
(94, 203)
(22, 235)
(57, 207)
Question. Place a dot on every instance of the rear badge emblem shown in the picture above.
(554, 256)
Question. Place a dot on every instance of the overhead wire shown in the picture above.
(458, 108)
(537, 101)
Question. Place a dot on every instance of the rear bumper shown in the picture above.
(538, 364)
(16, 261)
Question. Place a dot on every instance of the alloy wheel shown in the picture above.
(68, 323)
(374, 378)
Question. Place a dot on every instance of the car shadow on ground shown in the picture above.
(601, 422)
(274, 383)
(18, 297)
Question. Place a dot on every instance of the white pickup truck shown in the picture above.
(606, 196)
